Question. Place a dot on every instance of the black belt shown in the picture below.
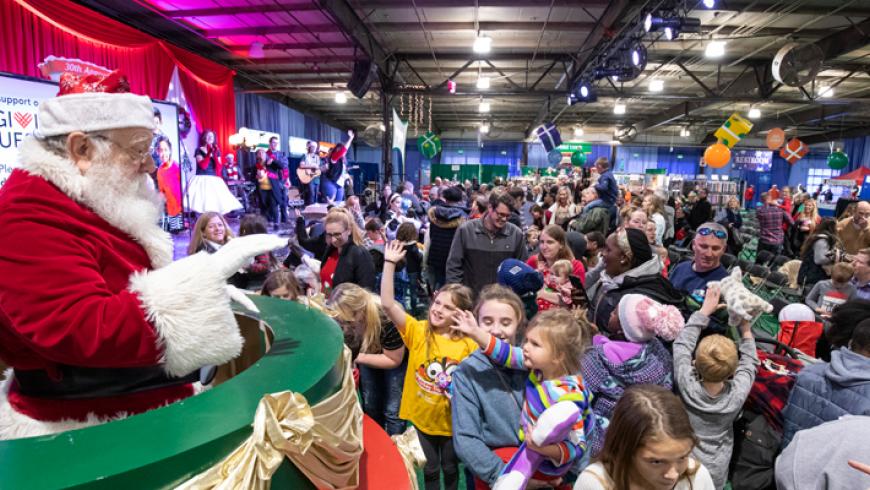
(76, 382)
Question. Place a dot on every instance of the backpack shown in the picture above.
(756, 445)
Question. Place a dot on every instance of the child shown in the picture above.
(648, 446)
(252, 275)
(413, 265)
(594, 246)
(282, 284)
(714, 391)
(533, 235)
(827, 294)
(558, 281)
(551, 352)
(434, 351)
(612, 365)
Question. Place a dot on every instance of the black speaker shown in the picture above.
(364, 73)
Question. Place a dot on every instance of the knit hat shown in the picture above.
(94, 103)
(577, 244)
(642, 319)
(637, 244)
(519, 276)
(797, 312)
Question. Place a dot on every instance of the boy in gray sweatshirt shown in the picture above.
(711, 398)
(827, 294)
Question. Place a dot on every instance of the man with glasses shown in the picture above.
(89, 293)
(693, 275)
(771, 219)
(854, 231)
(480, 245)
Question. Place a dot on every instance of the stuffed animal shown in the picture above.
(742, 303)
(553, 426)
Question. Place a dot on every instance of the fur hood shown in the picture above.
(447, 216)
(139, 222)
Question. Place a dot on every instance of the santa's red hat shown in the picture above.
(94, 103)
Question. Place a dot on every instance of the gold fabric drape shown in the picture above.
(324, 441)
(409, 447)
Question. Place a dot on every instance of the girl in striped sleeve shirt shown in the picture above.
(554, 434)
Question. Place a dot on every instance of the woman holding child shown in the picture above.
(556, 262)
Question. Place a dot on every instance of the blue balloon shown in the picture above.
(554, 157)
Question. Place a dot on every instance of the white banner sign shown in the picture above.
(19, 103)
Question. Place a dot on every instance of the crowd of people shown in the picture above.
(479, 312)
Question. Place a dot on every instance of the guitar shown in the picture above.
(309, 169)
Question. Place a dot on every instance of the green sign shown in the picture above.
(572, 146)
(656, 171)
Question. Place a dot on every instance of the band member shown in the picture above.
(335, 173)
(231, 169)
(309, 170)
(276, 165)
(269, 184)
(169, 184)
(208, 191)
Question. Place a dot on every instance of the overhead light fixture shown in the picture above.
(483, 107)
(685, 133)
(637, 55)
(582, 91)
(482, 44)
(619, 108)
(709, 3)
(754, 113)
(340, 98)
(825, 91)
(256, 50)
(484, 128)
(715, 49)
(578, 131)
(382, 127)
(656, 85)
(451, 86)
(482, 82)
(670, 24)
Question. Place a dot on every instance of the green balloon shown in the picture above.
(578, 158)
(838, 160)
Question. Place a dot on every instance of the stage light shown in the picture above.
(656, 85)
(578, 131)
(340, 98)
(483, 107)
(754, 113)
(256, 50)
(582, 91)
(619, 109)
(671, 25)
(451, 86)
(715, 49)
(616, 70)
(825, 91)
(484, 128)
(638, 56)
(482, 82)
(482, 44)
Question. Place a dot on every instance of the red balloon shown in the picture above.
(717, 155)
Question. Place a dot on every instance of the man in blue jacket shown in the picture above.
(607, 188)
(827, 391)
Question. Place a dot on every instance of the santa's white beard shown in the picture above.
(110, 191)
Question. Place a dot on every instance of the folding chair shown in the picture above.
(776, 281)
(728, 261)
(778, 261)
(744, 265)
(764, 257)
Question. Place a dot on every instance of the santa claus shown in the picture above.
(96, 321)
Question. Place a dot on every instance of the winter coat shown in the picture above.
(827, 391)
(593, 218)
(354, 265)
(443, 223)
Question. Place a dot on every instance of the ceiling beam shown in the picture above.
(834, 45)
(754, 6)
(242, 9)
(483, 26)
(272, 29)
(290, 60)
(283, 46)
(403, 4)
(839, 134)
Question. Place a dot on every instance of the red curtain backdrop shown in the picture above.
(31, 30)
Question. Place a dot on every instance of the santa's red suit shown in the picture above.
(96, 320)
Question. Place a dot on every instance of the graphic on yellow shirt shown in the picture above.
(435, 375)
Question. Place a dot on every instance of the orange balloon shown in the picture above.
(775, 138)
(717, 155)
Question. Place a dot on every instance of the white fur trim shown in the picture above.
(94, 111)
(16, 425)
(139, 222)
(188, 305)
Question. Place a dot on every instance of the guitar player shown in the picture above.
(276, 165)
(309, 170)
(336, 172)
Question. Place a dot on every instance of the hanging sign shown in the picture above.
(52, 67)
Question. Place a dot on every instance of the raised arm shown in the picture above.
(393, 253)
(685, 343)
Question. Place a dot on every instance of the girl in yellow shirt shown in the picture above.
(434, 352)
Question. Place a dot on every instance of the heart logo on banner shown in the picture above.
(23, 119)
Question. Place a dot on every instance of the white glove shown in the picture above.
(241, 298)
(238, 252)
